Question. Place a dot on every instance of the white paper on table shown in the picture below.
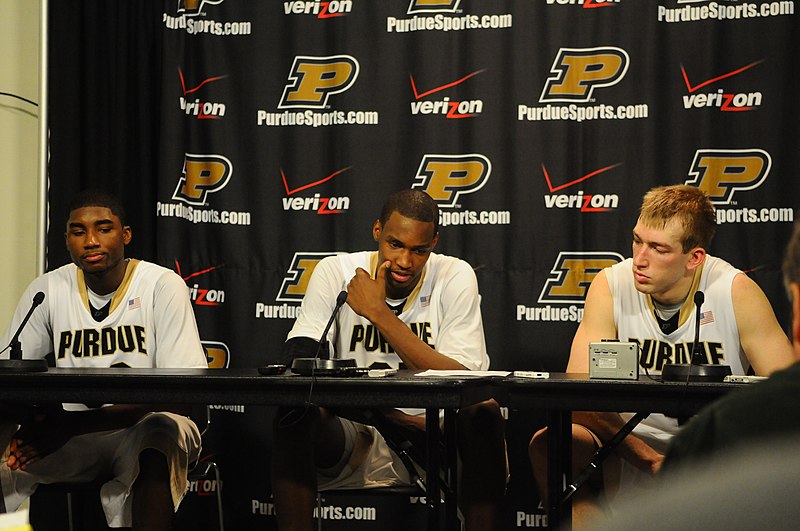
(463, 373)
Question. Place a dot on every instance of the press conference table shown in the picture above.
(240, 386)
(561, 394)
(247, 386)
(558, 395)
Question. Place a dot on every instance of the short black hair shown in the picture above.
(413, 204)
(97, 198)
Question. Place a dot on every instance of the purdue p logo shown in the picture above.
(445, 177)
(433, 6)
(578, 71)
(217, 354)
(295, 283)
(721, 172)
(202, 174)
(572, 273)
(194, 7)
(313, 79)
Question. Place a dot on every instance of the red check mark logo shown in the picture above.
(187, 91)
(575, 181)
(736, 72)
(310, 185)
(198, 295)
(195, 274)
(419, 95)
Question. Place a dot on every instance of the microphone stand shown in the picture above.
(601, 454)
(324, 366)
(15, 363)
(694, 371)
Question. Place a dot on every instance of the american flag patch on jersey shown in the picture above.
(134, 303)
(425, 300)
(706, 317)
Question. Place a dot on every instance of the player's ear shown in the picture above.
(127, 234)
(696, 257)
(376, 230)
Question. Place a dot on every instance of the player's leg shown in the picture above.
(303, 440)
(586, 502)
(482, 446)
(150, 470)
(152, 506)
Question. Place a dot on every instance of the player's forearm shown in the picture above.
(415, 353)
(606, 425)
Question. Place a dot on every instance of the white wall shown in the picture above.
(19, 140)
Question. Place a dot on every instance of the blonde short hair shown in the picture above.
(689, 205)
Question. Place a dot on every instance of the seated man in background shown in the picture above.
(649, 299)
(403, 285)
(105, 310)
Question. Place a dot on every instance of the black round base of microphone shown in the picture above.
(320, 367)
(705, 372)
(21, 366)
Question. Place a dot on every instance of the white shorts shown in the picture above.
(109, 454)
(367, 462)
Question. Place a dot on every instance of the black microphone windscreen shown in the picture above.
(699, 298)
(341, 298)
(38, 298)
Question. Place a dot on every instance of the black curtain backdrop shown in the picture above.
(249, 139)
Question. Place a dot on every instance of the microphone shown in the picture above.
(695, 371)
(340, 300)
(699, 299)
(15, 363)
(324, 366)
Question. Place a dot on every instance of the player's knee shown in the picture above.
(538, 443)
(292, 422)
(537, 447)
(583, 438)
(584, 445)
(158, 423)
(484, 417)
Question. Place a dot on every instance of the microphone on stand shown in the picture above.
(323, 339)
(324, 366)
(699, 299)
(695, 371)
(15, 363)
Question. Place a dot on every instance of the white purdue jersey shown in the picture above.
(443, 310)
(635, 321)
(150, 322)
